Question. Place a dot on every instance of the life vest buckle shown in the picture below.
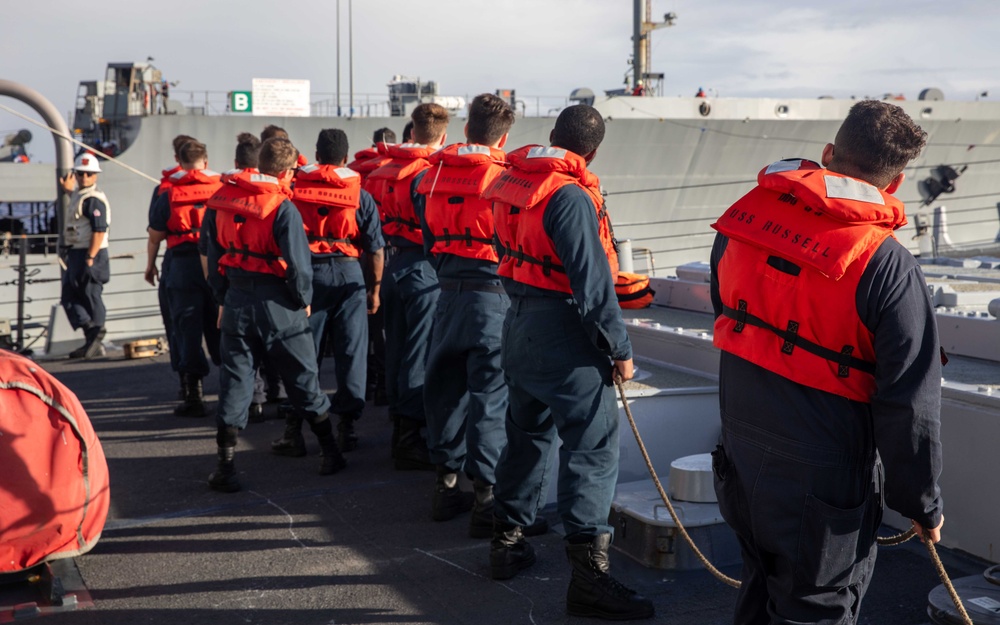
(791, 334)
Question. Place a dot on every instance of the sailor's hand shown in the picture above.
(152, 274)
(218, 322)
(373, 302)
(933, 534)
(624, 370)
(309, 311)
(68, 183)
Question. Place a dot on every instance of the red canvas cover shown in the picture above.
(53, 474)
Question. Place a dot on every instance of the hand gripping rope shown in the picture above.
(887, 541)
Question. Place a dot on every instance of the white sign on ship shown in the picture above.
(280, 97)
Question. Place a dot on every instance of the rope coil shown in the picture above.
(886, 541)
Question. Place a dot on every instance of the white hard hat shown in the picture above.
(87, 162)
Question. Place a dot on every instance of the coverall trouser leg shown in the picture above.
(465, 396)
(558, 383)
(806, 520)
(82, 288)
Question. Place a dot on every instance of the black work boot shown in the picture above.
(449, 500)
(223, 479)
(291, 443)
(509, 552)
(94, 347)
(346, 437)
(481, 520)
(194, 401)
(256, 413)
(410, 452)
(332, 460)
(593, 592)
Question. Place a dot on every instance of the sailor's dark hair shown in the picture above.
(408, 132)
(191, 152)
(490, 118)
(331, 146)
(179, 142)
(247, 147)
(579, 129)
(272, 131)
(383, 135)
(876, 142)
(277, 155)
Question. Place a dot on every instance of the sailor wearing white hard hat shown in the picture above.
(87, 269)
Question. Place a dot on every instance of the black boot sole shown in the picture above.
(460, 505)
(227, 486)
(592, 612)
(510, 569)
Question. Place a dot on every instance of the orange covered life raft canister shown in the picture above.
(55, 492)
(633, 290)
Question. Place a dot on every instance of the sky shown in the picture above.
(538, 47)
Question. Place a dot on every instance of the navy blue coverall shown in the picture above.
(190, 303)
(799, 473)
(265, 315)
(409, 294)
(83, 286)
(161, 288)
(556, 356)
(465, 397)
(340, 299)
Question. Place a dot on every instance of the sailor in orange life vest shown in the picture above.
(365, 162)
(410, 285)
(87, 264)
(465, 398)
(176, 217)
(340, 221)
(261, 272)
(563, 341)
(830, 369)
(161, 289)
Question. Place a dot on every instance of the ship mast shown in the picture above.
(641, 50)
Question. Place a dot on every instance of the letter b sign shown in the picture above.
(241, 102)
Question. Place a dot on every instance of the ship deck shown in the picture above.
(357, 547)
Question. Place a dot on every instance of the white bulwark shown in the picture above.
(280, 97)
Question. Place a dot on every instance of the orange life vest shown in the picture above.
(396, 205)
(521, 195)
(365, 162)
(328, 198)
(188, 193)
(245, 210)
(633, 290)
(459, 219)
(165, 179)
(798, 245)
(373, 186)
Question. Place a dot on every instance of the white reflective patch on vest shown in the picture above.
(231, 172)
(346, 172)
(780, 166)
(850, 189)
(308, 169)
(473, 149)
(210, 173)
(541, 152)
(178, 174)
(263, 178)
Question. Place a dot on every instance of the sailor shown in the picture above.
(152, 274)
(563, 341)
(465, 397)
(176, 217)
(830, 361)
(341, 222)
(260, 270)
(87, 265)
(365, 162)
(271, 131)
(410, 290)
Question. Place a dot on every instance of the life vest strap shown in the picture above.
(844, 359)
(314, 237)
(179, 233)
(466, 238)
(412, 225)
(245, 252)
(545, 263)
